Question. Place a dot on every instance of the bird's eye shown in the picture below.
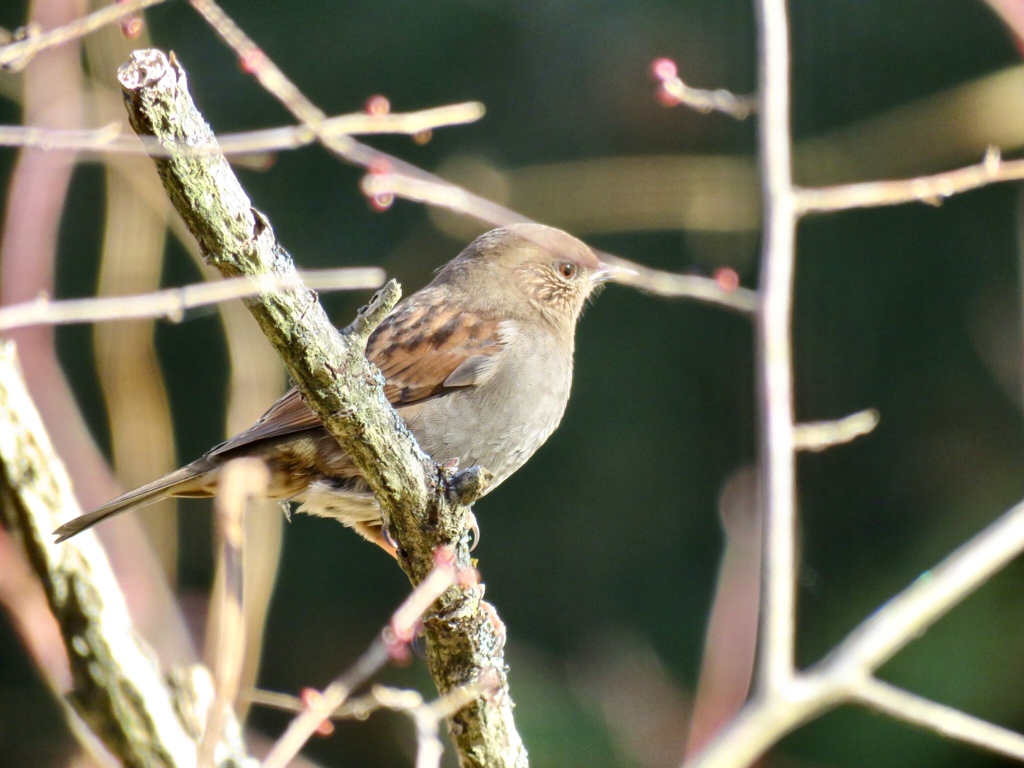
(567, 270)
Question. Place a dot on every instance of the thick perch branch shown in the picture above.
(343, 389)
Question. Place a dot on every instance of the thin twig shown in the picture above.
(946, 721)
(111, 138)
(308, 721)
(930, 597)
(443, 194)
(675, 285)
(675, 91)
(390, 176)
(775, 355)
(819, 435)
(172, 303)
(927, 189)
(426, 716)
(373, 659)
(16, 55)
(361, 707)
(719, 100)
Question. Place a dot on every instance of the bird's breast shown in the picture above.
(502, 422)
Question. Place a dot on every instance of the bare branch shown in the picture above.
(819, 435)
(425, 716)
(946, 721)
(925, 189)
(110, 138)
(674, 91)
(390, 176)
(376, 656)
(775, 354)
(445, 195)
(843, 674)
(16, 55)
(930, 597)
(172, 303)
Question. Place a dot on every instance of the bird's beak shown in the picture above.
(606, 272)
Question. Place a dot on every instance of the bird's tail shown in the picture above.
(191, 480)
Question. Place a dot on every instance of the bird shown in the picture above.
(478, 363)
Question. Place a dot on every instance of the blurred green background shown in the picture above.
(601, 555)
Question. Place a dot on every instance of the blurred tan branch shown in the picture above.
(118, 688)
(172, 303)
(243, 480)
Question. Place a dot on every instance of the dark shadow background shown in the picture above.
(608, 540)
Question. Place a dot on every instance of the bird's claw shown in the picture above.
(474, 531)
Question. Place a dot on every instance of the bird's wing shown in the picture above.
(461, 350)
(423, 352)
(288, 415)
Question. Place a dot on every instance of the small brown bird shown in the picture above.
(478, 363)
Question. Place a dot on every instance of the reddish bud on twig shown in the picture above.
(664, 69)
(398, 645)
(131, 28)
(310, 698)
(251, 61)
(377, 105)
(727, 278)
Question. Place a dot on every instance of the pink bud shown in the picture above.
(377, 105)
(251, 61)
(131, 28)
(311, 697)
(727, 278)
(664, 69)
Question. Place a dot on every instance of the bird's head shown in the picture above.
(526, 270)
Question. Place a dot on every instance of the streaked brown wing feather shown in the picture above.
(416, 366)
